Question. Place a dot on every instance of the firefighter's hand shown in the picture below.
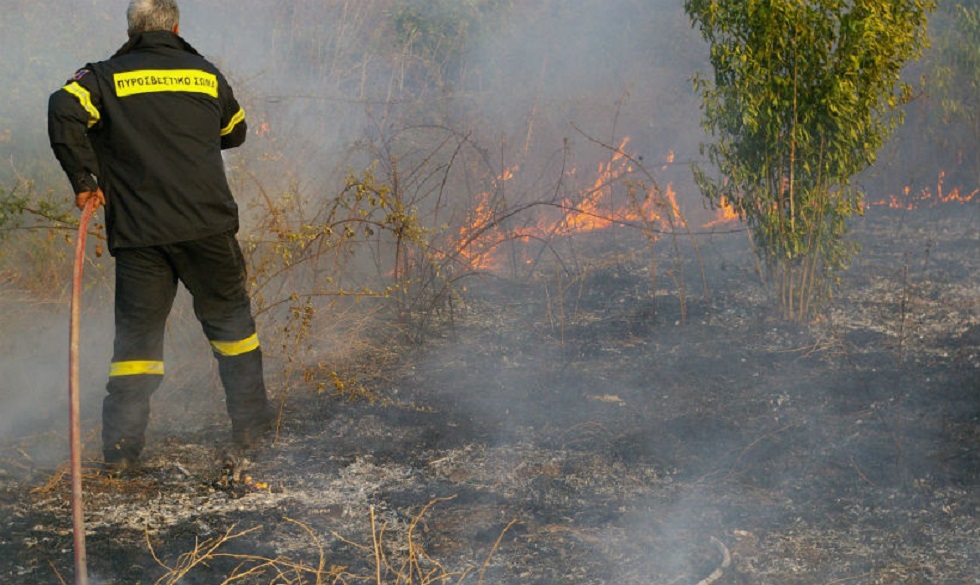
(82, 198)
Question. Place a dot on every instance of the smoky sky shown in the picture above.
(318, 78)
(321, 79)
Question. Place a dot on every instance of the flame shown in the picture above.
(589, 210)
(675, 209)
(926, 197)
(587, 214)
(255, 484)
(477, 241)
(594, 211)
(725, 214)
(476, 236)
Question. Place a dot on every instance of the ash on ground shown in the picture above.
(622, 435)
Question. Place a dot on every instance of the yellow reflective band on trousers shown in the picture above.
(238, 117)
(84, 98)
(160, 80)
(135, 368)
(233, 348)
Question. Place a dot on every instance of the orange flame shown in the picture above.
(591, 209)
(477, 236)
(675, 209)
(926, 197)
(588, 214)
(725, 214)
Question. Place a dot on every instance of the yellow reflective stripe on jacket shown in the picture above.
(238, 117)
(84, 98)
(233, 348)
(135, 368)
(158, 80)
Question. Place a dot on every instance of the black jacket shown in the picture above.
(150, 123)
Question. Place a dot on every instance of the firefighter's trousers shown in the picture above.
(213, 270)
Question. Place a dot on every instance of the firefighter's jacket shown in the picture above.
(149, 125)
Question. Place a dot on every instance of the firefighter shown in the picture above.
(142, 134)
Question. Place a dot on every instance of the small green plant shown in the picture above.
(803, 96)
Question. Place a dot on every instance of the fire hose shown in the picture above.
(74, 433)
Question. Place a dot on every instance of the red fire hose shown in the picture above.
(74, 434)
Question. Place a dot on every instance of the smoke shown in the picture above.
(332, 86)
(335, 85)
(455, 98)
(34, 363)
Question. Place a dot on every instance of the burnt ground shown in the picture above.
(578, 430)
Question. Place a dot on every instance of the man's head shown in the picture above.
(150, 15)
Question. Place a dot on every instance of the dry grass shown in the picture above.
(408, 564)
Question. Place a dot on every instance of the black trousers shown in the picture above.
(213, 270)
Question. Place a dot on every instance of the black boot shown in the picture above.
(249, 434)
(122, 458)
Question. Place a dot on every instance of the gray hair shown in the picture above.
(148, 15)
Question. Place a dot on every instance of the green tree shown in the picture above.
(804, 94)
